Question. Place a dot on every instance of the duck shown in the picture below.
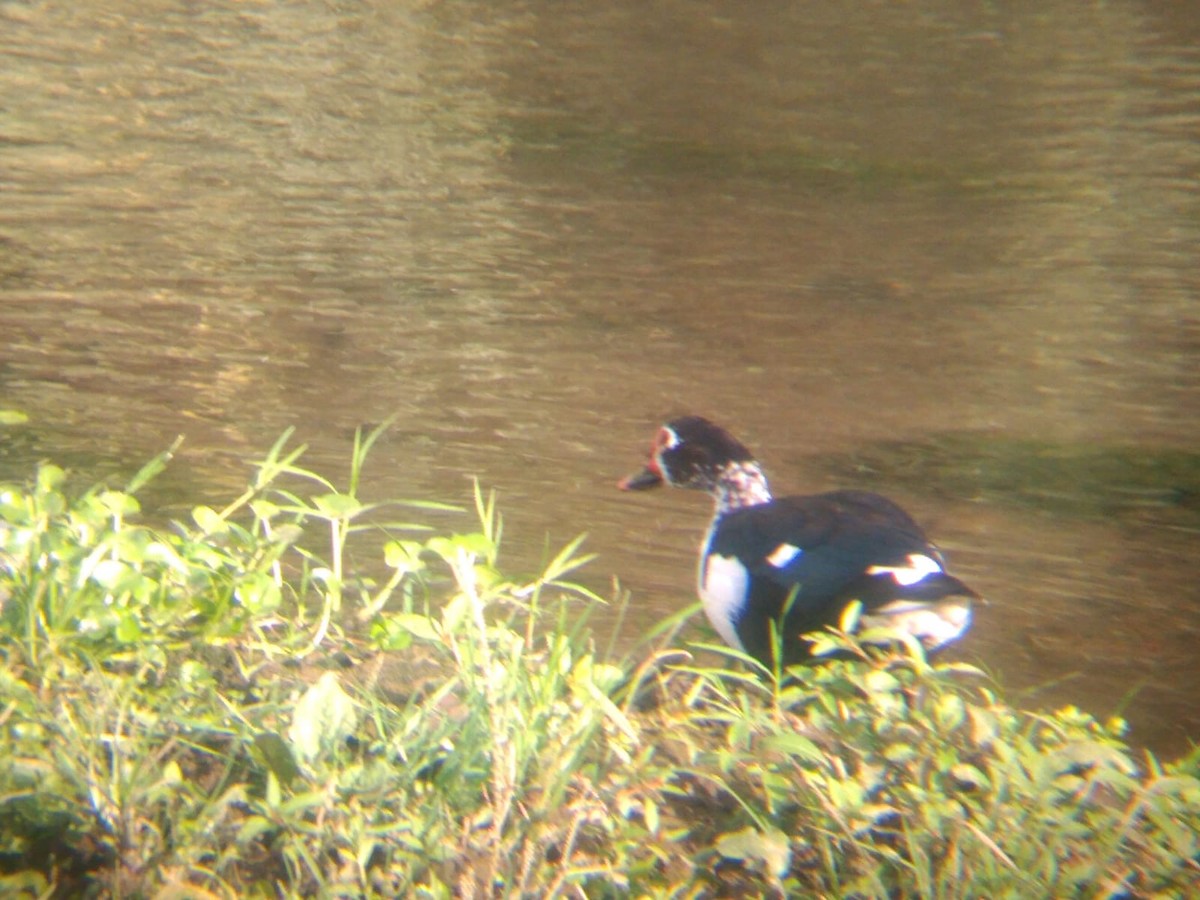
(774, 570)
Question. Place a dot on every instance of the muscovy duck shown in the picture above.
(829, 549)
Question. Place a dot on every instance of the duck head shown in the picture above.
(689, 452)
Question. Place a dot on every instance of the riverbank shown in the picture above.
(230, 708)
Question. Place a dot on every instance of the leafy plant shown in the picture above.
(222, 709)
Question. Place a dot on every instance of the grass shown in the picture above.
(219, 709)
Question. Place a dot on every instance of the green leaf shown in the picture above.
(879, 681)
(301, 803)
(253, 828)
(207, 520)
(984, 727)
(24, 884)
(850, 616)
(899, 753)
(258, 593)
(49, 477)
(287, 534)
(823, 646)
(566, 560)
(969, 776)
(432, 505)
(950, 711)
(650, 813)
(153, 468)
(404, 556)
(607, 677)
(108, 573)
(386, 636)
(796, 745)
(846, 795)
(769, 849)
(417, 625)
(165, 555)
(278, 756)
(338, 506)
(117, 503)
(12, 417)
(323, 717)
(274, 792)
(264, 509)
(1078, 755)
(129, 629)
(448, 548)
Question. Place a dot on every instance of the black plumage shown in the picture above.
(827, 549)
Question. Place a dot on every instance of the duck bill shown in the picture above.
(647, 478)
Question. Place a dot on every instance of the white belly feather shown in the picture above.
(723, 586)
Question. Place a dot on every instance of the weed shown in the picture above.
(218, 709)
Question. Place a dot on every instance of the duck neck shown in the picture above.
(740, 484)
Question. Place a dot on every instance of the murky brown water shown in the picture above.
(858, 234)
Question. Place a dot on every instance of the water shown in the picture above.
(945, 252)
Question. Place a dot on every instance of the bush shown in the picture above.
(184, 713)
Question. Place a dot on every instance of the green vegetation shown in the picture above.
(185, 713)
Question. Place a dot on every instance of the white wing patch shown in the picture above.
(919, 566)
(783, 554)
(934, 624)
(723, 586)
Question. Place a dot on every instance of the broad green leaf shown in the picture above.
(769, 849)
(258, 593)
(899, 753)
(417, 625)
(117, 503)
(846, 795)
(404, 556)
(49, 477)
(129, 629)
(165, 555)
(338, 506)
(207, 520)
(448, 548)
(323, 717)
(264, 509)
(108, 573)
(287, 533)
(607, 677)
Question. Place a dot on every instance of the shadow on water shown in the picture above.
(1114, 483)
